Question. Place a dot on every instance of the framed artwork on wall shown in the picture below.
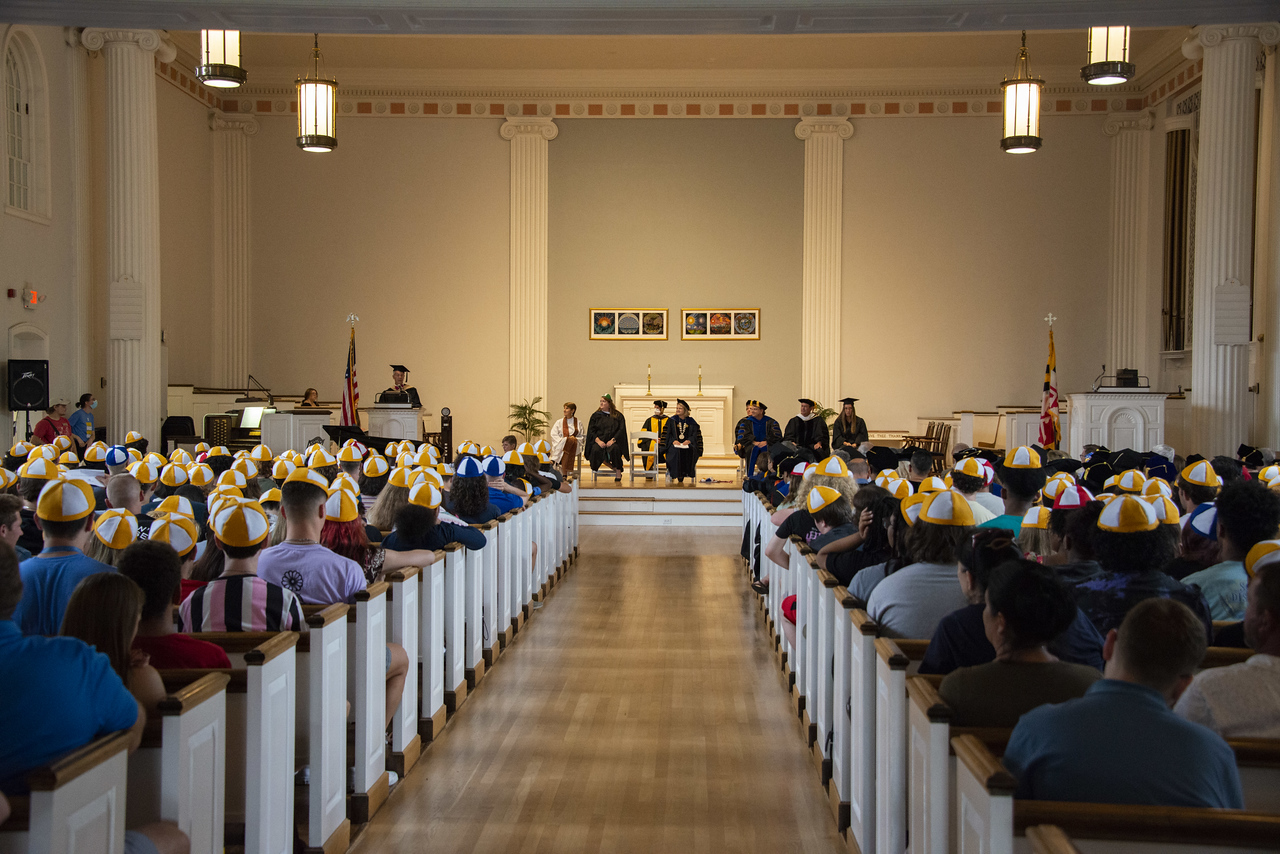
(627, 324)
(719, 324)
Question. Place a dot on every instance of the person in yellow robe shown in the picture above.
(656, 423)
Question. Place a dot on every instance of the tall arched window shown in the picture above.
(25, 127)
(17, 110)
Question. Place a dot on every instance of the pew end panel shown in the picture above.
(366, 687)
(402, 600)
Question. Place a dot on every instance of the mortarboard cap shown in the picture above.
(849, 400)
(661, 403)
(683, 403)
(806, 400)
(401, 368)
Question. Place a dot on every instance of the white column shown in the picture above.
(230, 360)
(823, 236)
(133, 392)
(1127, 344)
(1221, 406)
(1266, 263)
(81, 212)
(528, 359)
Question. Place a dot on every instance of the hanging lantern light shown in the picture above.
(317, 108)
(220, 59)
(1021, 106)
(1108, 57)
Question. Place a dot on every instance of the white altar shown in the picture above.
(713, 410)
(394, 421)
(1116, 419)
(294, 429)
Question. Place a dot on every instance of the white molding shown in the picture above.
(28, 215)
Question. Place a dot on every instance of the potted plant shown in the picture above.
(527, 419)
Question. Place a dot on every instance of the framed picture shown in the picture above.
(720, 324)
(627, 324)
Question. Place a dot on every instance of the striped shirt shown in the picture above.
(240, 603)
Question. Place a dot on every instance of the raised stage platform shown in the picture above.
(701, 506)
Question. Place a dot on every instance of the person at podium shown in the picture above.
(400, 385)
(683, 445)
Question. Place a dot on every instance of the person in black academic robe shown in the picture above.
(607, 438)
(400, 385)
(849, 431)
(808, 433)
(655, 423)
(684, 445)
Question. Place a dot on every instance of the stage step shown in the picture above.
(675, 506)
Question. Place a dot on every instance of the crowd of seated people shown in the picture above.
(133, 554)
(1064, 599)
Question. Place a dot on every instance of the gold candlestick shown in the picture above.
(648, 383)
(699, 381)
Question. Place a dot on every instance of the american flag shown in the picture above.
(351, 388)
(1050, 433)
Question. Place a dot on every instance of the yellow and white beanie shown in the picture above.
(1125, 514)
(116, 528)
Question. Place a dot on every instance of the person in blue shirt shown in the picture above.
(1121, 743)
(1021, 475)
(64, 511)
(418, 525)
(468, 495)
(1248, 513)
(81, 422)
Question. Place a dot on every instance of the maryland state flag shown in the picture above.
(351, 389)
(1050, 432)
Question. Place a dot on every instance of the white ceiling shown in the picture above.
(582, 17)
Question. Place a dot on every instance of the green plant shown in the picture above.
(823, 412)
(527, 419)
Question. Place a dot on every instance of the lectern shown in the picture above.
(394, 421)
(1117, 419)
(294, 429)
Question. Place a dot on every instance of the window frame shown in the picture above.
(21, 43)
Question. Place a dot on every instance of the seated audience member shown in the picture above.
(1131, 549)
(237, 600)
(392, 499)
(1022, 475)
(831, 472)
(350, 460)
(315, 574)
(156, 568)
(961, 639)
(832, 516)
(344, 535)
(11, 524)
(373, 479)
(1198, 542)
(1229, 469)
(1243, 700)
(921, 466)
(125, 492)
(502, 495)
(793, 468)
(896, 519)
(869, 545)
(972, 479)
(418, 525)
(1026, 608)
(112, 533)
(510, 443)
(1197, 484)
(60, 695)
(1121, 743)
(33, 476)
(1248, 513)
(1077, 547)
(468, 496)
(104, 612)
(859, 468)
(65, 513)
(911, 602)
(1033, 539)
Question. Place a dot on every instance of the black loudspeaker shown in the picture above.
(28, 385)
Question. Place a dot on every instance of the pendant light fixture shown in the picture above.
(1021, 106)
(220, 59)
(1108, 57)
(317, 108)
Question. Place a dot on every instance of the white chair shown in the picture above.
(658, 466)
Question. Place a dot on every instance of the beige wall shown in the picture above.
(406, 224)
(186, 233)
(675, 214)
(954, 252)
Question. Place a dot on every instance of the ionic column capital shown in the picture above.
(807, 127)
(530, 125)
(219, 120)
(1212, 36)
(1117, 122)
(152, 41)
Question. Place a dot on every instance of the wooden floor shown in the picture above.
(640, 710)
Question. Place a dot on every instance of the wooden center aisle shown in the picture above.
(640, 710)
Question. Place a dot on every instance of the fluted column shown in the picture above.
(230, 360)
(823, 238)
(1221, 406)
(134, 390)
(1266, 262)
(1127, 344)
(528, 360)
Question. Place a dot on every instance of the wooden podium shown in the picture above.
(294, 429)
(394, 421)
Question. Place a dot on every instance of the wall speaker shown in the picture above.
(28, 385)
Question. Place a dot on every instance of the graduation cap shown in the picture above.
(807, 401)
(906, 451)
(1159, 466)
(1125, 459)
(880, 458)
(661, 403)
(786, 464)
(1250, 456)
(401, 368)
(1096, 474)
(683, 403)
(849, 400)
(1066, 465)
(1195, 458)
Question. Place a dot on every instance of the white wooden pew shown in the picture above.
(366, 689)
(891, 747)
(491, 605)
(322, 725)
(510, 586)
(77, 803)
(403, 601)
(862, 729)
(801, 653)
(431, 639)
(823, 710)
(455, 626)
(179, 772)
(989, 817)
(841, 711)
(473, 616)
